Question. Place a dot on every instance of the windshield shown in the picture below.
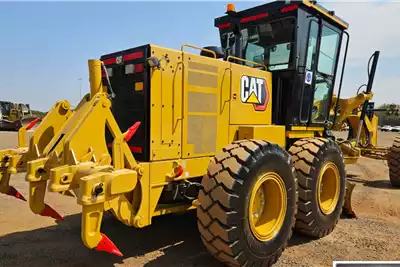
(5, 108)
(268, 43)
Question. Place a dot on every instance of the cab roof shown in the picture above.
(283, 6)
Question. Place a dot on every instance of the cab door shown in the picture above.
(321, 63)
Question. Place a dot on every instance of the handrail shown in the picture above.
(199, 48)
(248, 61)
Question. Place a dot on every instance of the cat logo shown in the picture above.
(119, 60)
(254, 91)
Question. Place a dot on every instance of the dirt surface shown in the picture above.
(31, 240)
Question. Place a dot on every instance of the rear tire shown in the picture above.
(225, 200)
(318, 161)
(394, 162)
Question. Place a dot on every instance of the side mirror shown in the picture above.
(217, 50)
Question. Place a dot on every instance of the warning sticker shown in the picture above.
(308, 79)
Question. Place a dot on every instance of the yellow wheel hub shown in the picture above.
(268, 204)
(328, 188)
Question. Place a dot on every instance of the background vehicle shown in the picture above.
(386, 128)
(396, 129)
(14, 116)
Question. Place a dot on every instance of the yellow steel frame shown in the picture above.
(76, 157)
(69, 148)
(15, 160)
(298, 132)
(320, 10)
(351, 150)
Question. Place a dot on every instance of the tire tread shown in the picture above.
(217, 219)
(306, 154)
(394, 162)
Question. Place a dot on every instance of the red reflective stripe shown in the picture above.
(225, 25)
(32, 123)
(135, 55)
(289, 8)
(251, 18)
(178, 172)
(139, 68)
(132, 130)
(135, 149)
(109, 61)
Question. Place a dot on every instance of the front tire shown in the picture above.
(241, 177)
(321, 176)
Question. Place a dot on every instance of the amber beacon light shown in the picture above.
(230, 8)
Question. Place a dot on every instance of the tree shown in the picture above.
(389, 117)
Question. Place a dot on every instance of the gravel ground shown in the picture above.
(30, 240)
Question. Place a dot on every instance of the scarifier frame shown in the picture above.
(14, 161)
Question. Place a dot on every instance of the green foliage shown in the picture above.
(38, 113)
(390, 117)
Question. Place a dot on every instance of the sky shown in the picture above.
(44, 46)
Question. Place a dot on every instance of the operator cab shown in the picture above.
(299, 42)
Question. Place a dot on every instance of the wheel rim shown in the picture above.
(328, 188)
(268, 204)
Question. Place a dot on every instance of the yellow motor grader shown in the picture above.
(242, 133)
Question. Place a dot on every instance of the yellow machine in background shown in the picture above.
(230, 132)
(362, 141)
(13, 116)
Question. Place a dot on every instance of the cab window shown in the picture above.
(269, 43)
(324, 76)
(328, 51)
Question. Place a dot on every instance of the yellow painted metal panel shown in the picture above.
(202, 102)
(202, 67)
(168, 151)
(233, 133)
(198, 78)
(304, 128)
(340, 22)
(205, 105)
(300, 134)
(374, 130)
(155, 176)
(271, 133)
(193, 167)
(166, 105)
(250, 85)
